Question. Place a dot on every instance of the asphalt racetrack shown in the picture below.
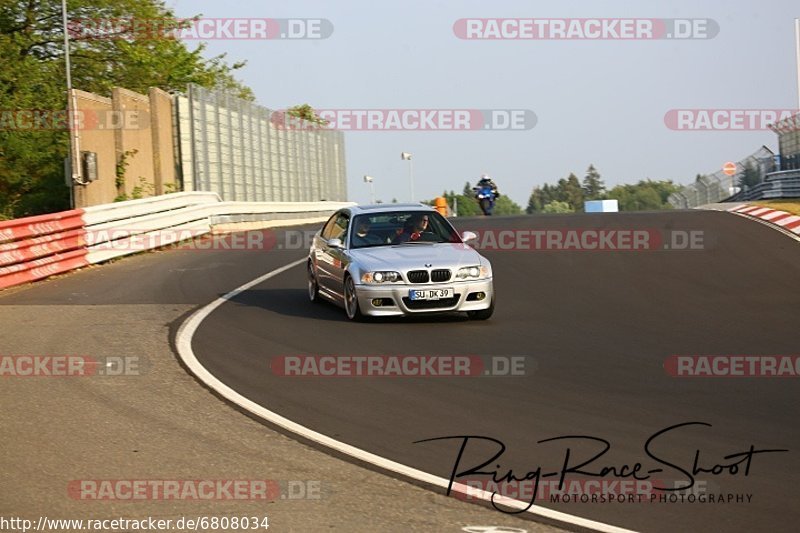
(596, 330)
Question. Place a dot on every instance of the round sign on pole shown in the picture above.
(729, 168)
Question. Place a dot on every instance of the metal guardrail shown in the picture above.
(156, 204)
(784, 184)
(37, 247)
(32, 248)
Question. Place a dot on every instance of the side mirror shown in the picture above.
(468, 236)
(335, 243)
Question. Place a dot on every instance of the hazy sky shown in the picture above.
(600, 102)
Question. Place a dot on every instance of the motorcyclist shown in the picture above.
(486, 180)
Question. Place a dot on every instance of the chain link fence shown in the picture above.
(716, 187)
(239, 150)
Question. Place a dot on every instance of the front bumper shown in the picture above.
(398, 293)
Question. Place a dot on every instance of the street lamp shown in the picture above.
(406, 156)
(797, 56)
(72, 109)
(370, 179)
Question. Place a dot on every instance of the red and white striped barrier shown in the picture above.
(37, 247)
(23, 228)
(783, 219)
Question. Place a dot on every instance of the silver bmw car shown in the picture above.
(398, 259)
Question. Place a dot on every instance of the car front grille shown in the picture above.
(418, 276)
(419, 305)
(440, 275)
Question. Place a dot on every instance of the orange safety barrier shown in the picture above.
(441, 205)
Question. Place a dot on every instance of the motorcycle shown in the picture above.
(486, 197)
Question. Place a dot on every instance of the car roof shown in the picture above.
(385, 208)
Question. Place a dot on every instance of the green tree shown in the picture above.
(540, 197)
(750, 177)
(535, 201)
(33, 77)
(569, 190)
(593, 186)
(644, 199)
(646, 195)
(558, 207)
(468, 206)
(307, 113)
(505, 206)
(664, 188)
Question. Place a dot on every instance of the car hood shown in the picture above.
(410, 256)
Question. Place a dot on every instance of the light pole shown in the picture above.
(406, 156)
(370, 179)
(797, 57)
(72, 110)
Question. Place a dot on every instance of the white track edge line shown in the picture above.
(183, 342)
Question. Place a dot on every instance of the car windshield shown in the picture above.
(401, 228)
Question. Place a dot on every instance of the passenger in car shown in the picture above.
(364, 236)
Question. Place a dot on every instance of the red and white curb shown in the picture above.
(787, 221)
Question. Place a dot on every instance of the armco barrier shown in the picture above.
(147, 206)
(36, 247)
(45, 267)
(24, 228)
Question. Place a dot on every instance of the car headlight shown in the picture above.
(474, 272)
(381, 276)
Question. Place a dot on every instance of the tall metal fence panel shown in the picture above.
(246, 152)
(719, 186)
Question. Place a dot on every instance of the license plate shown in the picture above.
(430, 294)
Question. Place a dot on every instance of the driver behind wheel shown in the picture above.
(413, 229)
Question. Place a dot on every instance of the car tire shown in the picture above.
(313, 286)
(351, 308)
(482, 314)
